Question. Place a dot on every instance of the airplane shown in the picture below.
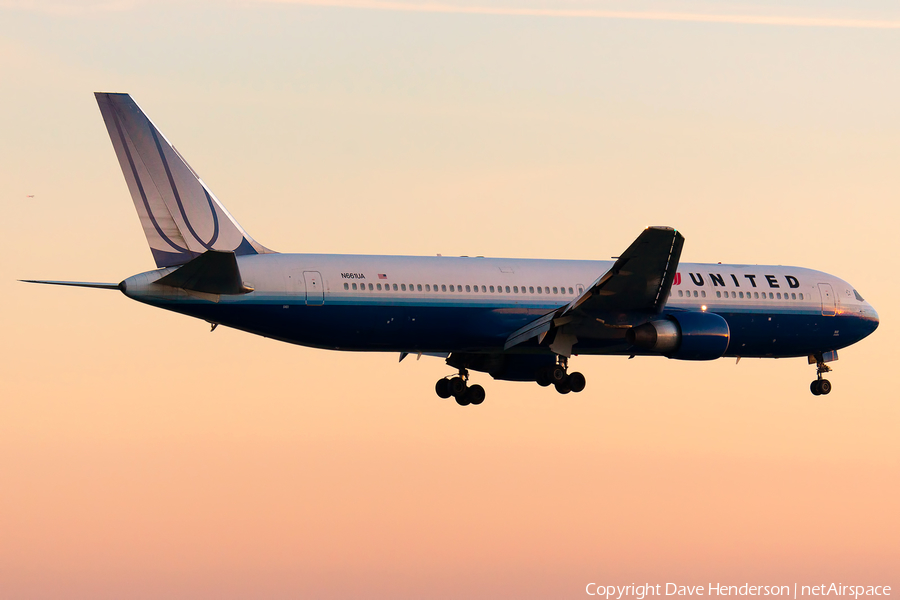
(514, 319)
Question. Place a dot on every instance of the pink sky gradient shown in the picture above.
(142, 456)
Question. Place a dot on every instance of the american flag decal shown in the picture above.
(382, 276)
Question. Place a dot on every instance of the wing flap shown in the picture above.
(539, 326)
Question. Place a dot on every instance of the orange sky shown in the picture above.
(142, 456)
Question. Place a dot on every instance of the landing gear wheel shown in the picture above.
(543, 378)
(563, 388)
(824, 387)
(457, 386)
(814, 388)
(442, 388)
(576, 382)
(475, 395)
(557, 375)
(463, 399)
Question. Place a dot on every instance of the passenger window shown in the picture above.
(531, 289)
(801, 295)
(771, 296)
(395, 287)
(507, 289)
(515, 289)
(756, 295)
(443, 287)
(580, 290)
(570, 291)
(371, 287)
(346, 286)
(354, 286)
(492, 289)
(718, 294)
(793, 296)
(468, 289)
(484, 288)
(540, 290)
(703, 294)
(740, 294)
(778, 295)
(554, 290)
(402, 287)
(733, 294)
(378, 287)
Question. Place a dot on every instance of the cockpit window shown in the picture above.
(858, 297)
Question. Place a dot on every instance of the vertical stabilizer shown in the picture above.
(181, 217)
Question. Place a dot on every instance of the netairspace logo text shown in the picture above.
(640, 592)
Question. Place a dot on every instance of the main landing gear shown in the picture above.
(820, 387)
(459, 388)
(558, 376)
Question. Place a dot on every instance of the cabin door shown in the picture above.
(315, 291)
(828, 306)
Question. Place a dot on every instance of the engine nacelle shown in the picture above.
(687, 335)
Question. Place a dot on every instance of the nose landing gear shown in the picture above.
(820, 387)
(459, 388)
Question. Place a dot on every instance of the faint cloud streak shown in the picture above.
(67, 9)
(650, 15)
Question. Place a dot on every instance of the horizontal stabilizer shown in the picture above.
(213, 272)
(85, 284)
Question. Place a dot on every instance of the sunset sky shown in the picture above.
(142, 456)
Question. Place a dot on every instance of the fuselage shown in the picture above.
(444, 304)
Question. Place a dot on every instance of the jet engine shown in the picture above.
(687, 335)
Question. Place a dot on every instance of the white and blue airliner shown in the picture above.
(515, 319)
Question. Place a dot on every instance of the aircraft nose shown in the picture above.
(867, 320)
(873, 317)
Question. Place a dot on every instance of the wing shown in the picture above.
(638, 282)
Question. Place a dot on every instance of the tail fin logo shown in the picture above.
(215, 218)
(180, 216)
